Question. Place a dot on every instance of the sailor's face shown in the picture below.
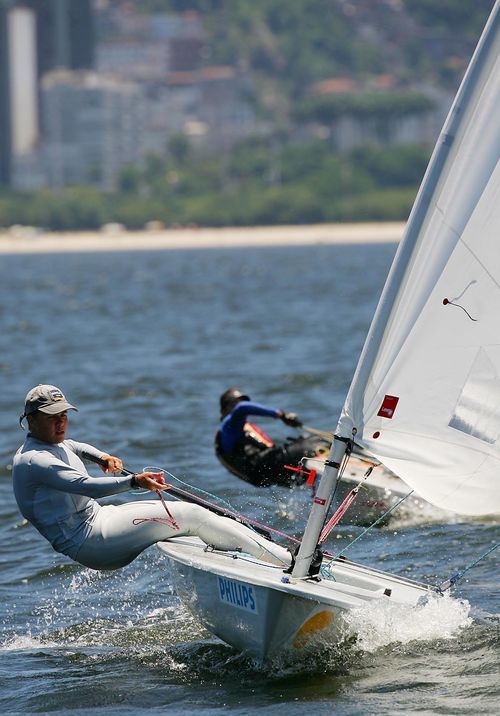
(49, 428)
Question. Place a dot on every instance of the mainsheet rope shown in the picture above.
(197, 490)
(217, 501)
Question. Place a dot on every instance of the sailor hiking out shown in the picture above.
(56, 494)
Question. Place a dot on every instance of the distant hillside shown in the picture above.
(346, 89)
(289, 45)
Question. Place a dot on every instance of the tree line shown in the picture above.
(260, 182)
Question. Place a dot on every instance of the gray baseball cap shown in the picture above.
(47, 399)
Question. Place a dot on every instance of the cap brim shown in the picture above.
(56, 408)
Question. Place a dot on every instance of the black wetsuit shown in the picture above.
(252, 456)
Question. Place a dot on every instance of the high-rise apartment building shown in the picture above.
(5, 140)
(36, 36)
(65, 34)
(93, 127)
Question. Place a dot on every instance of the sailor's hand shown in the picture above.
(150, 481)
(291, 419)
(114, 464)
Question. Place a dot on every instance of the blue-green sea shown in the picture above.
(144, 343)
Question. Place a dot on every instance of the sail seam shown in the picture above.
(476, 257)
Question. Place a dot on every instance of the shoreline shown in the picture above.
(23, 241)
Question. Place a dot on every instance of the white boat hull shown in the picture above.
(258, 609)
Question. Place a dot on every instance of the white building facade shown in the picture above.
(93, 127)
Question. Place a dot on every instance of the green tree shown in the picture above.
(179, 148)
(129, 180)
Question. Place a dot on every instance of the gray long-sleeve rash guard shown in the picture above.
(56, 494)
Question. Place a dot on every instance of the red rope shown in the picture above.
(234, 515)
(162, 520)
(341, 510)
(174, 523)
(170, 520)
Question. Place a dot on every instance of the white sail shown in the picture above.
(425, 398)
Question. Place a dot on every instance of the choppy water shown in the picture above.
(144, 343)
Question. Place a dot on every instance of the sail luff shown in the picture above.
(416, 220)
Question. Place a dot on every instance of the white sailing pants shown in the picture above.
(120, 533)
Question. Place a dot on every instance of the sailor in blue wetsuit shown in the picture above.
(56, 494)
(247, 452)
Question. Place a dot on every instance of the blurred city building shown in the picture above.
(93, 126)
(165, 54)
(19, 114)
(89, 86)
(5, 104)
(65, 34)
(211, 106)
(35, 36)
(349, 129)
(147, 47)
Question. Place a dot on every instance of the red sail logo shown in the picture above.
(388, 406)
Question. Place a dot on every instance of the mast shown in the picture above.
(321, 503)
(416, 221)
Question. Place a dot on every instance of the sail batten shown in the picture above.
(425, 398)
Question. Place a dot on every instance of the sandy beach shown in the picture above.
(22, 240)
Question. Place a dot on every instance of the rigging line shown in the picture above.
(231, 509)
(341, 471)
(387, 512)
(216, 498)
(322, 433)
(335, 519)
(455, 577)
(343, 507)
(347, 501)
(171, 517)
